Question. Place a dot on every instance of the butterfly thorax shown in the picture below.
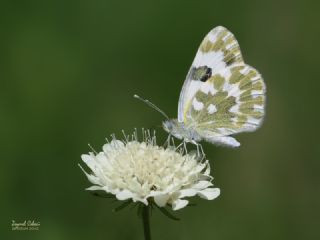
(181, 131)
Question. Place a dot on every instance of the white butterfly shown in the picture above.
(221, 95)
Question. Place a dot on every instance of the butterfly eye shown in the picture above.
(167, 125)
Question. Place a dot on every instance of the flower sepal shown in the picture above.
(102, 194)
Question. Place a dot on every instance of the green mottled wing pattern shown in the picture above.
(234, 103)
(222, 40)
(218, 51)
(221, 95)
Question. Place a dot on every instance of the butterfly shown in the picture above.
(221, 95)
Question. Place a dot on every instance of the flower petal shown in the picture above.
(161, 200)
(179, 203)
(101, 158)
(93, 179)
(94, 188)
(209, 193)
(89, 160)
(124, 195)
(190, 192)
(110, 147)
(202, 185)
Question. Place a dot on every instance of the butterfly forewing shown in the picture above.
(218, 50)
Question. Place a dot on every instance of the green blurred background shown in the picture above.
(68, 71)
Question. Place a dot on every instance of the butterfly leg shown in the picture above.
(179, 145)
(203, 155)
(185, 146)
(200, 153)
(167, 142)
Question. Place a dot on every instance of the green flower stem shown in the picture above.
(146, 222)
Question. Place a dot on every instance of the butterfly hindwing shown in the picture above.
(228, 103)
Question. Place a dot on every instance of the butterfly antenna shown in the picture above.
(150, 104)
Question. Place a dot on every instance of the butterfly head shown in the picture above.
(170, 125)
(179, 130)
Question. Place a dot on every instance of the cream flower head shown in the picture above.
(144, 172)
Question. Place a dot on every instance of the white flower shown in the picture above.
(144, 172)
